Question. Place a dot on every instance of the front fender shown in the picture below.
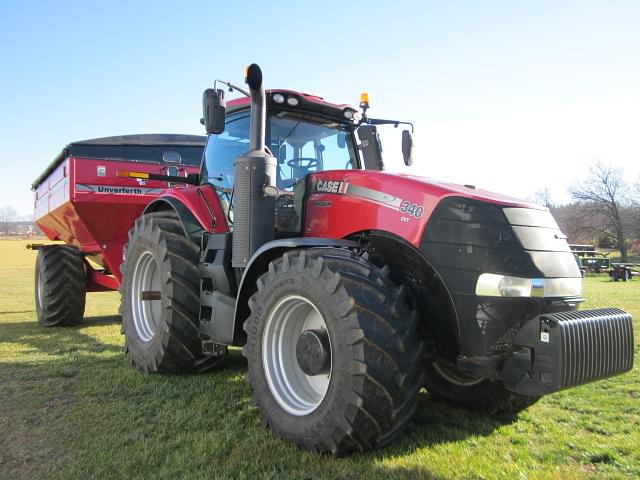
(259, 263)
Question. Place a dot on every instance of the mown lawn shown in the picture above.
(71, 406)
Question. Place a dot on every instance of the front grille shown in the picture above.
(594, 344)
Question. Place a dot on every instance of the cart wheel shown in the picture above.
(161, 297)
(60, 286)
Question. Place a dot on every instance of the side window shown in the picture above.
(220, 152)
(303, 148)
(334, 152)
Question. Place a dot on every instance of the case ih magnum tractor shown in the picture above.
(349, 288)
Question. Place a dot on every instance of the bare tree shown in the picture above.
(543, 197)
(569, 218)
(7, 216)
(605, 198)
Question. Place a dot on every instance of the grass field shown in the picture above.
(71, 406)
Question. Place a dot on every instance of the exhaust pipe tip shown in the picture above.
(253, 76)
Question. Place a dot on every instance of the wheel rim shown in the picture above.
(456, 377)
(296, 392)
(146, 313)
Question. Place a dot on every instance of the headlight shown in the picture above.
(493, 285)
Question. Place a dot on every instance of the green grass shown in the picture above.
(71, 406)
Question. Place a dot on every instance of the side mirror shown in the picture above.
(371, 147)
(407, 147)
(214, 109)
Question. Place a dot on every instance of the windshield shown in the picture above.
(300, 146)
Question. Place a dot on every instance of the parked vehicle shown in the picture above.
(349, 288)
(589, 259)
(623, 271)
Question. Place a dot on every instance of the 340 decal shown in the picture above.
(411, 209)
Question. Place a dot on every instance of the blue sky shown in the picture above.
(511, 96)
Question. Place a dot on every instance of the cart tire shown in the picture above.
(60, 286)
(368, 392)
(457, 388)
(162, 334)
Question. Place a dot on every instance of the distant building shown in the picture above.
(26, 228)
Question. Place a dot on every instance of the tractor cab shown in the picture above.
(304, 133)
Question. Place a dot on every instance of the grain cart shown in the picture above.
(80, 200)
(349, 288)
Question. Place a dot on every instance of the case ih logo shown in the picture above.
(331, 186)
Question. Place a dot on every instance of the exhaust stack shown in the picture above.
(255, 181)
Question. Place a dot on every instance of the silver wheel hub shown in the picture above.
(295, 391)
(146, 313)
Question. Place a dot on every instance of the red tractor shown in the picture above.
(350, 289)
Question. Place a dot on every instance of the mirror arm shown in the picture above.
(382, 121)
(232, 87)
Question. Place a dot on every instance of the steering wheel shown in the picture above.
(303, 163)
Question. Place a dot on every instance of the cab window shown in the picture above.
(219, 155)
(302, 147)
(301, 144)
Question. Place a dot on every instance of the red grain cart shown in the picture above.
(81, 200)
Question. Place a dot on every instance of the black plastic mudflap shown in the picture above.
(562, 350)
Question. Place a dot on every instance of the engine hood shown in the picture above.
(470, 191)
(341, 202)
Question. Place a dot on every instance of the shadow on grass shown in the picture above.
(114, 406)
(58, 340)
(436, 422)
(102, 320)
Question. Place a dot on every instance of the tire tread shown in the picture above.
(62, 270)
(386, 363)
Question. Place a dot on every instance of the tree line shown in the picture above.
(605, 210)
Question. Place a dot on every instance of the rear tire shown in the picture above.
(376, 355)
(458, 388)
(162, 335)
(60, 286)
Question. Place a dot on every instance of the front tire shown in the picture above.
(60, 286)
(366, 390)
(161, 297)
(448, 383)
